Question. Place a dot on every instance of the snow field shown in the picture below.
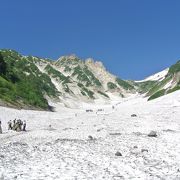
(64, 151)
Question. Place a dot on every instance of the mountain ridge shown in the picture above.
(29, 81)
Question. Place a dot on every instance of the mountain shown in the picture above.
(162, 83)
(31, 82)
(22, 83)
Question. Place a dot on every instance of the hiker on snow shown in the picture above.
(14, 124)
(21, 124)
(18, 125)
(0, 128)
(10, 125)
(24, 126)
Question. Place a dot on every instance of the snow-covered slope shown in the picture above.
(161, 83)
(156, 77)
(64, 150)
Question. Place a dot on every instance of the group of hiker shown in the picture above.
(15, 125)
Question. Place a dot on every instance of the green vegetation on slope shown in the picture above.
(56, 74)
(157, 94)
(85, 91)
(174, 89)
(124, 84)
(66, 61)
(163, 92)
(105, 95)
(157, 90)
(111, 85)
(86, 76)
(159, 86)
(22, 82)
(67, 69)
(7, 90)
(174, 68)
(145, 86)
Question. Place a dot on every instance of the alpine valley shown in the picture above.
(30, 82)
(71, 119)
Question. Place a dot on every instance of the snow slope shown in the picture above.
(156, 77)
(64, 151)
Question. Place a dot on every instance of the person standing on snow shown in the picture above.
(0, 128)
(24, 126)
(18, 125)
(10, 125)
(14, 124)
(21, 124)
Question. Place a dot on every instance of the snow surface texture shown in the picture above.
(58, 145)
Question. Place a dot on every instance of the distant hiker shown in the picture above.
(18, 125)
(14, 125)
(24, 126)
(10, 125)
(21, 124)
(0, 128)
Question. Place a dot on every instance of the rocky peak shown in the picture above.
(69, 57)
(94, 64)
(68, 60)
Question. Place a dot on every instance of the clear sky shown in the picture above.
(133, 38)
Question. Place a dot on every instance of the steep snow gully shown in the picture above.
(108, 143)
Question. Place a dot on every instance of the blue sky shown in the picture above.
(133, 38)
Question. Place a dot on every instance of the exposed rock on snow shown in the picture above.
(152, 134)
(144, 150)
(90, 138)
(118, 153)
(133, 115)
